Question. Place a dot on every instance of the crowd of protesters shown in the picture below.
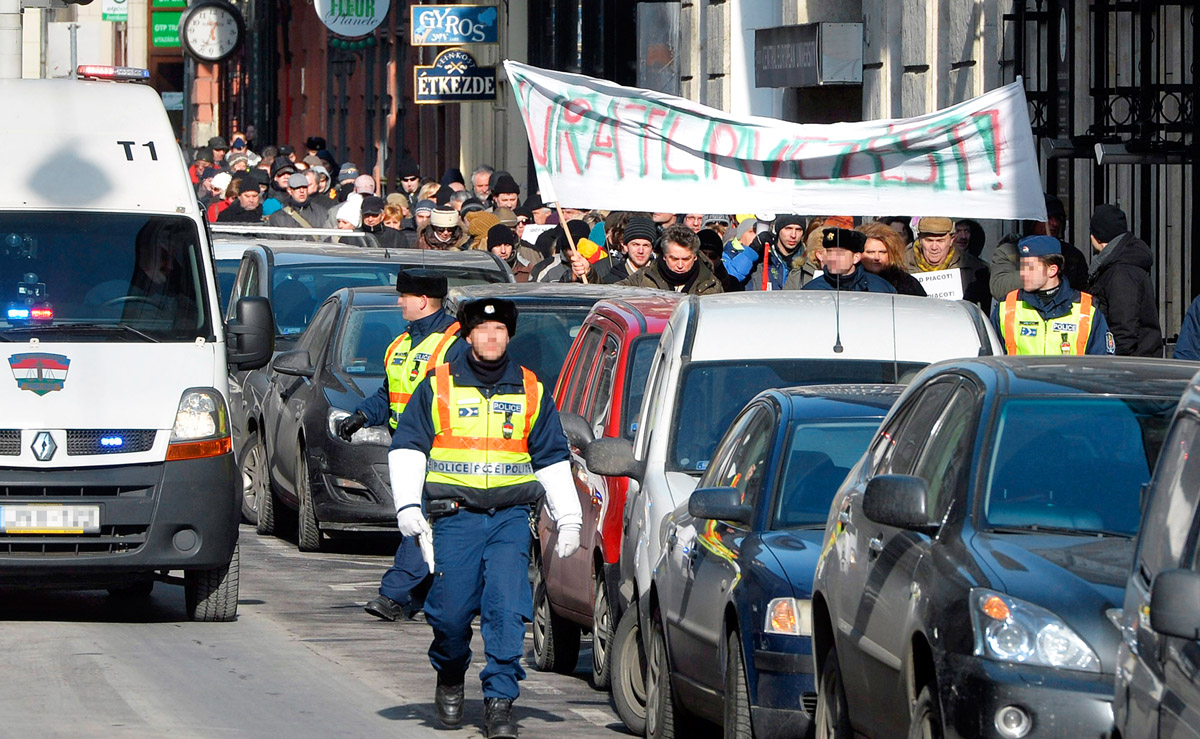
(690, 252)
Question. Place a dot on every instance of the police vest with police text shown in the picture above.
(1026, 332)
(407, 365)
(480, 451)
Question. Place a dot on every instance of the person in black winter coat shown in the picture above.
(372, 223)
(1121, 284)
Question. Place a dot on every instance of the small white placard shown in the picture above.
(944, 283)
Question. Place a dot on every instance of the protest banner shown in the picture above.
(944, 283)
(602, 145)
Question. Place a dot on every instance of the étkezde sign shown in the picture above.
(452, 25)
(454, 77)
(351, 17)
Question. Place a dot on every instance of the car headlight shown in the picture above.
(201, 426)
(789, 616)
(1011, 630)
(369, 435)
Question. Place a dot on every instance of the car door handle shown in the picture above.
(876, 546)
(844, 516)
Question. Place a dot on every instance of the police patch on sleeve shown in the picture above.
(1109, 343)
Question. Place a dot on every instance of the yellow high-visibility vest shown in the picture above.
(407, 365)
(1026, 332)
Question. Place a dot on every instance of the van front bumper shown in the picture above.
(180, 515)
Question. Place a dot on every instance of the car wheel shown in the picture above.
(665, 718)
(833, 714)
(308, 537)
(603, 623)
(737, 692)
(267, 503)
(212, 595)
(927, 716)
(628, 666)
(555, 639)
(253, 466)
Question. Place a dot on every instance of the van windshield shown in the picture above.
(712, 393)
(101, 277)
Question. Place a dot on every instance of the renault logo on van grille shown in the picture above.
(43, 446)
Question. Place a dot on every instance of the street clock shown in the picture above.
(211, 30)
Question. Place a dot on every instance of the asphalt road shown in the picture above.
(302, 660)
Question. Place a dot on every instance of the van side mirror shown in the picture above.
(578, 430)
(1175, 604)
(250, 336)
(613, 458)
(898, 501)
(294, 363)
(719, 504)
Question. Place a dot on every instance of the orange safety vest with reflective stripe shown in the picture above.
(1026, 332)
(407, 365)
(480, 450)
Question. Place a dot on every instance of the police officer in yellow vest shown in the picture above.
(431, 339)
(1047, 316)
(478, 445)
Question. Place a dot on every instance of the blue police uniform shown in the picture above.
(859, 280)
(405, 581)
(481, 553)
(1059, 305)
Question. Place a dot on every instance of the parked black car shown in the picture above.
(732, 593)
(297, 278)
(975, 558)
(1158, 659)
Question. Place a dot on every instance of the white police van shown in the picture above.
(115, 461)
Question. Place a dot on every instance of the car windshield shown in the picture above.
(1074, 463)
(712, 393)
(365, 339)
(227, 270)
(543, 337)
(817, 460)
(297, 292)
(101, 276)
(638, 374)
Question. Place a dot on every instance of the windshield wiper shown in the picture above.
(102, 328)
(1034, 528)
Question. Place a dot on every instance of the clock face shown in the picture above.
(211, 32)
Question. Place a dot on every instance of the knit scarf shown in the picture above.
(676, 280)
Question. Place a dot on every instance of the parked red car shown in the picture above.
(599, 393)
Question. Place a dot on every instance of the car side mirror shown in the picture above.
(294, 363)
(897, 501)
(577, 429)
(1175, 604)
(718, 504)
(250, 335)
(613, 458)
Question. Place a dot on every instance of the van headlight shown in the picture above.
(1012, 630)
(368, 435)
(201, 426)
(789, 616)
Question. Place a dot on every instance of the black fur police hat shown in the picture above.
(421, 282)
(844, 238)
(483, 310)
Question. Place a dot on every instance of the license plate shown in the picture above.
(50, 519)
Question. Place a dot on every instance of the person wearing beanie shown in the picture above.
(843, 252)
(444, 232)
(483, 446)
(1121, 284)
(713, 250)
(506, 193)
(479, 223)
(364, 184)
(1048, 317)
(237, 161)
(347, 174)
(246, 208)
(430, 339)
(373, 208)
(681, 269)
(219, 147)
(502, 242)
(421, 213)
(934, 250)
(782, 260)
(453, 176)
(349, 217)
(636, 248)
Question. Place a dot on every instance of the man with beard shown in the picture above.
(681, 269)
(934, 250)
(783, 258)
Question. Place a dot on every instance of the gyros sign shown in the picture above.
(451, 25)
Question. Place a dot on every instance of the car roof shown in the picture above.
(368, 296)
(808, 324)
(1103, 375)
(558, 292)
(648, 310)
(281, 252)
(836, 401)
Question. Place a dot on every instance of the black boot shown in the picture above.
(384, 607)
(499, 720)
(448, 698)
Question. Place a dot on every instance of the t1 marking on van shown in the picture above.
(129, 149)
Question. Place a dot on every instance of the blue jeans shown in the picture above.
(406, 580)
(481, 563)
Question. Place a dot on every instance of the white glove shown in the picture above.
(412, 523)
(568, 540)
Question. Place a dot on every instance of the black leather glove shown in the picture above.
(351, 423)
(760, 243)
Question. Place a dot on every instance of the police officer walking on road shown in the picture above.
(1047, 316)
(431, 339)
(481, 438)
